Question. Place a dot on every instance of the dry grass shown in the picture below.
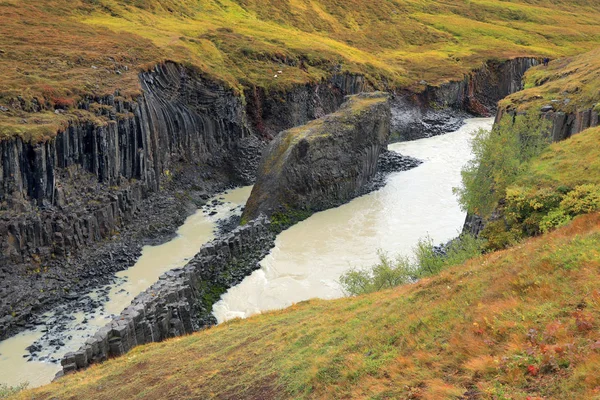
(521, 323)
(54, 52)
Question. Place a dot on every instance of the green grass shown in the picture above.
(521, 323)
(569, 84)
(563, 182)
(48, 49)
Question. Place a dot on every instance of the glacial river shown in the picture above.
(154, 261)
(308, 258)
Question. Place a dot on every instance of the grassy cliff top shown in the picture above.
(54, 52)
(521, 323)
(567, 84)
(573, 162)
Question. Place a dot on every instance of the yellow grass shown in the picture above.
(56, 51)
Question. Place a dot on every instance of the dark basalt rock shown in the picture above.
(323, 163)
(77, 208)
(181, 301)
(442, 109)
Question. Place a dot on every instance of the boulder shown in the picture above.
(323, 163)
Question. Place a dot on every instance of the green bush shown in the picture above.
(529, 212)
(387, 274)
(583, 199)
(8, 391)
(428, 261)
(499, 157)
(554, 219)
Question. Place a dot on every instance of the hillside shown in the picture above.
(568, 84)
(55, 53)
(514, 324)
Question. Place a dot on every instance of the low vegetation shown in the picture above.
(500, 157)
(55, 53)
(563, 182)
(428, 260)
(516, 324)
(8, 391)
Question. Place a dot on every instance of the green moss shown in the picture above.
(282, 220)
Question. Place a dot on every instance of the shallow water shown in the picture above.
(154, 261)
(310, 257)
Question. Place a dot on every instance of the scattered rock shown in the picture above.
(547, 108)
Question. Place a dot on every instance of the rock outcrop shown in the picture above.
(324, 163)
(441, 109)
(181, 301)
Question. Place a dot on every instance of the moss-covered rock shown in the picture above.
(324, 163)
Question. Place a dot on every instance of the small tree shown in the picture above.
(499, 158)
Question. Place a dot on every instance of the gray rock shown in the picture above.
(323, 163)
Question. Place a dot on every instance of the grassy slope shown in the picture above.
(570, 163)
(573, 82)
(518, 323)
(48, 48)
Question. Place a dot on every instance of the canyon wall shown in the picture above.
(184, 138)
(324, 163)
(442, 109)
(564, 124)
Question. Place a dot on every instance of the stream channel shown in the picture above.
(306, 263)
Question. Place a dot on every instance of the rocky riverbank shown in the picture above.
(181, 301)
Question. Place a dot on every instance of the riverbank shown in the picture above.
(34, 355)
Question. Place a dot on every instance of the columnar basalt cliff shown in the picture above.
(181, 301)
(185, 133)
(67, 203)
(564, 124)
(434, 111)
(323, 163)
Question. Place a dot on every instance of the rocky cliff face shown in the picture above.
(323, 163)
(184, 138)
(438, 110)
(564, 125)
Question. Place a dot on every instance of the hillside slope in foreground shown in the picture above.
(55, 53)
(517, 324)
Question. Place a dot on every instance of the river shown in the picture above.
(154, 261)
(308, 258)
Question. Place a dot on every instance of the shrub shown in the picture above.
(387, 274)
(8, 391)
(554, 219)
(583, 199)
(429, 260)
(499, 157)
